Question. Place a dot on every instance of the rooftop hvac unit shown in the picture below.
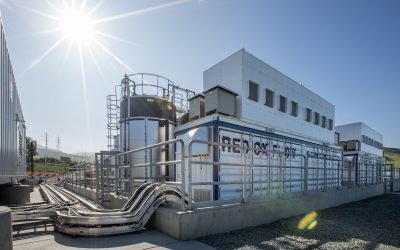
(220, 100)
(353, 145)
(196, 107)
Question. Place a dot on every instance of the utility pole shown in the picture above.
(45, 158)
(58, 143)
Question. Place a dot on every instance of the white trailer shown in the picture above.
(274, 162)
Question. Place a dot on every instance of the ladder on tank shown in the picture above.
(112, 121)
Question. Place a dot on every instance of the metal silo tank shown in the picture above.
(147, 120)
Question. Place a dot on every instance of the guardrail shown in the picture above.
(259, 172)
(115, 171)
(244, 166)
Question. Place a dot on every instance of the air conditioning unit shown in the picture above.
(220, 100)
(196, 107)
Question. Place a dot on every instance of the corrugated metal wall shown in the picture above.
(12, 125)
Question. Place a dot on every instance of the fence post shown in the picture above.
(339, 176)
(189, 173)
(305, 173)
(96, 165)
(84, 175)
(102, 177)
(243, 178)
(115, 173)
(150, 161)
(324, 175)
(391, 177)
(351, 166)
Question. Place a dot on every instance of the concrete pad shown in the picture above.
(262, 210)
(35, 196)
(14, 194)
(213, 220)
(143, 240)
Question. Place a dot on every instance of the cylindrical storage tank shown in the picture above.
(144, 121)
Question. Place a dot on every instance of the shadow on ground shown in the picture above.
(148, 239)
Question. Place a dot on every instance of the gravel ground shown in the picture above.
(368, 224)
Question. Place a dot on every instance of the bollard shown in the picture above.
(5, 228)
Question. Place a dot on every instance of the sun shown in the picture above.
(77, 26)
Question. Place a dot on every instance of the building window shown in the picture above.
(269, 98)
(282, 104)
(316, 118)
(308, 114)
(330, 124)
(323, 121)
(295, 107)
(337, 138)
(253, 91)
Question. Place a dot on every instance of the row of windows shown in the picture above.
(317, 119)
(371, 142)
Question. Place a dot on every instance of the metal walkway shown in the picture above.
(74, 215)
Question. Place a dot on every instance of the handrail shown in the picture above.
(150, 146)
(328, 171)
(243, 165)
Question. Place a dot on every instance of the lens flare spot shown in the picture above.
(308, 221)
(312, 225)
(169, 106)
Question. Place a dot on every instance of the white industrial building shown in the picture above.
(270, 98)
(358, 137)
(362, 150)
(248, 103)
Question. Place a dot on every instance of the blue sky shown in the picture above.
(346, 51)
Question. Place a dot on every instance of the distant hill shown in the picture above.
(392, 156)
(57, 154)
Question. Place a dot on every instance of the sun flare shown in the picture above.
(80, 29)
(77, 26)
